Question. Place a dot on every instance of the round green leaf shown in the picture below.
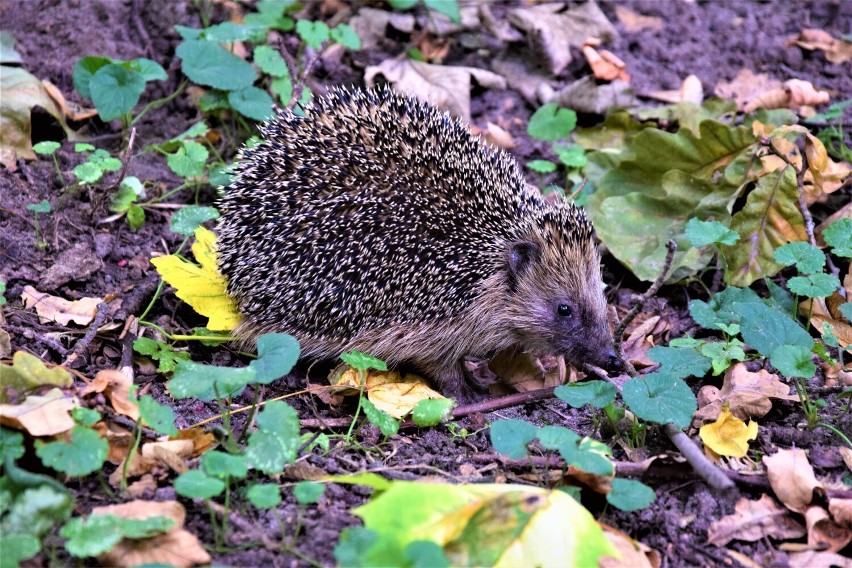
(817, 285)
(84, 454)
(426, 554)
(703, 233)
(189, 218)
(807, 258)
(838, 235)
(542, 166)
(135, 217)
(46, 148)
(660, 398)
(157, 416)
(362, 361)
(277, 353)
(115, 91)
(208, 63)
(630, 495)
(312, 33)
(223, 465)
(252, 102)
(510, 437)
(84, 69)
(388, 425)
(264, 495)
(681, 362)
(149, 70)
(270, 61)
(42, 206)
(429, 412)
(551, 122)
(595, 393)
(18, 547)
(346, 36)
(307, 492)
(198, 485)
(794, 361)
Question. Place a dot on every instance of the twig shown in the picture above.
(51, 343)
(637, 306)
(100, 316)
(712, 475)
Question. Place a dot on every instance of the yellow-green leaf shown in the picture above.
(202, 287)
(28, 371)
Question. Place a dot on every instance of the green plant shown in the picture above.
(49, 148)
(98, 162)
(832, 135)
(43, 207)
(449, 8)
(554, 124)
(115, 86)
(362, 363)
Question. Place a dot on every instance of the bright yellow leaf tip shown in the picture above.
(202, 287)
(728, 436)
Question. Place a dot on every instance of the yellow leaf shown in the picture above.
(388, 390)
(202, 287)
(729, 435)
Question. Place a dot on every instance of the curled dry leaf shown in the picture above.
(691, 91)
(605, 64)
(836, 50)
(526, 372)
(116, 387)
(824, 532)
(372, 24)
(794, 94)
(792, 478)
(746, 86)
(443, 86)
(46, 415)
(814, 559)
(841, 511)
(388, 390)
(755, 520)
(747, 394)
(632, 553)
(53, 308)
(495, 135)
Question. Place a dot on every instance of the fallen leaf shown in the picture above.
(633, 554)
(202, 440)
(202, 287)
(728, 436)
(53, 308)
(836, 50)
(45, 415)
(746, 86)
(443, 86)
(115, 385)
(691, 91)
(28, 372)
(841, 510)
(634, 22)
(814, 559)
(525, 371)
(585, 95)
(605, 64)
(747, 394)
(371, 25)
(755, 520)
(792, 478)
(794, 94)
(824, 533)
(69, 109)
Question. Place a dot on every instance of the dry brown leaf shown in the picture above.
(640, 340)
(398, 395)
(170, 453)
(46, 415)
(119, 438)
(634, 22)
(748, 395)
(754, 520)
(116, 387)
(691, 91)
(372, 24)
(846, 454)
(145, 485)
(824, 533)
(525, 372)
(836, 50)
(52, 308)
(814, 559)
(495, 135)
(444, 86)
(178, 547)
(794, 94)
(746, 86)
(201, 440)
(605, 64)
(792, 478)
(841, 510)
(68, 108)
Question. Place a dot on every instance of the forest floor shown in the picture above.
(88, 254)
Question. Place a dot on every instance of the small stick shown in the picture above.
(100, 316)
(712, 475)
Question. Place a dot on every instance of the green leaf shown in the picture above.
(164, 353)
(362, 361)
(312, 33)
(662, 398)
(703, 233)
(679, 361)
(189, 160)
(35, 511)
(277, 353)
(17, 547)
(846, 310)
(817, 285)
(283, 88)
(187, 219)
(264, 495)
(766, 329)
(85, 416)
(595, 393)
(807, 258)
(42, 206)
(98, 534)
(208, 63)
(84, 454)
(270, 61)
(276, 442)
(220, 176)
(129, 191)
(83, 147)
(571, 155)
(449, 8)
(307, 492)
(666, 179)
(770, 219)
(833, 112)
(426, 554)
(630, 495)
(230, 32)
(354, 544)
(157, 416)
(115, 91)
(11, 445)
(724, 307)
(214, 100)
(542, 166)
(46, 148)
(378, 417)
(582, 453)
(196, 484)
(208, 382)
(794, 361)
(135, 217)
(84, 70)
(87, 172)
(345, 35)
(551, 122)
(402, 4)
(837, 235)
(431, 412)
(148, 69)
(251, 102)
(510, 437)
(223, 465)
(723, 354)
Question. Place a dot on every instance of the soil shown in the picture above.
(712, 40)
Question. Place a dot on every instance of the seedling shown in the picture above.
(42, 206)
(115, 86)
(363, 363)
(49, 148)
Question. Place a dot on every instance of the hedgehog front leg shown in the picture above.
(454, 382)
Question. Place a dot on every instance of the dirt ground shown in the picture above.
(712, 40)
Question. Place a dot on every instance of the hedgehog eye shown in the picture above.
(564, 310)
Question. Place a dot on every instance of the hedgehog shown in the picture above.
(376, 222)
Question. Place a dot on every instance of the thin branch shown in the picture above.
(101, 315)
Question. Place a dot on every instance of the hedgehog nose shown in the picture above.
(613, 363)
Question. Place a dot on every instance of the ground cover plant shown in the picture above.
(709, 144)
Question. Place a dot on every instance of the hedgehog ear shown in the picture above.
(521, 256)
